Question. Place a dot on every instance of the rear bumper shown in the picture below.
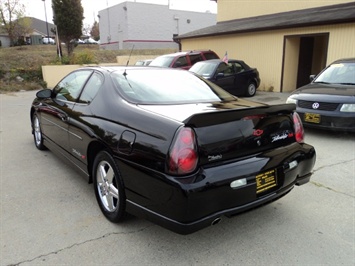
(186, 206)
(191, 227)
(303, 180)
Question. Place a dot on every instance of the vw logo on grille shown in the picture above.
(315, 105)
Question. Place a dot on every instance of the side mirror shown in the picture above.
(43, 94)
(311, 77)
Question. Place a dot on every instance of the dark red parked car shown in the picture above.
(183, 60)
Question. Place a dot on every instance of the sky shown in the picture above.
(36, 8)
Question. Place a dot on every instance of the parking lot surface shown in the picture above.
(49, 214)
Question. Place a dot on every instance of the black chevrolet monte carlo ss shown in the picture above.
(169, 146)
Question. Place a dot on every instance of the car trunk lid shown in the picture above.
(233, 134)
(226, 131)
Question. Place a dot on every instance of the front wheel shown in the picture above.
(108, 185)
(37, 133)
(251, 90)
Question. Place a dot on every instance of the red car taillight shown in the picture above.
(299, 131)
(183, 156)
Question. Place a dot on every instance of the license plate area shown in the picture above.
(266, 181)
(312, 118)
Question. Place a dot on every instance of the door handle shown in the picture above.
(63, 117)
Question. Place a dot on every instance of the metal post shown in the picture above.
(45, 12)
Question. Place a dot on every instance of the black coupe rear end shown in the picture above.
(169, 146)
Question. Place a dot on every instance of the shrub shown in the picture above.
(28, 74)
(84, 57)
(64, 60)
(81, 58)
(2, 73)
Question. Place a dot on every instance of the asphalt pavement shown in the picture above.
(270, 97)
(49, 214)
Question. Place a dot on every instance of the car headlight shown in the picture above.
(291, 99)
(347, 107)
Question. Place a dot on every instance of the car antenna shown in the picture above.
(125, 73)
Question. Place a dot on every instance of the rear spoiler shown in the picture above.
(225, 116)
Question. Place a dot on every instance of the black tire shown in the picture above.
(37, 133)
(251, 89)
(108, 185)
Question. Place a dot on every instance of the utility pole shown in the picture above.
(45, 12)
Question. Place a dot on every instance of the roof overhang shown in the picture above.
(326, 15)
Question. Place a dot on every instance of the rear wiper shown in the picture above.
(346, 83)
(322, 82)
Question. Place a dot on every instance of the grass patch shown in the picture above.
(26, 62)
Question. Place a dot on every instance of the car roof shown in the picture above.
(345, 60)
(217, 61)
(187, 52)
(123, 68)
(173, 54)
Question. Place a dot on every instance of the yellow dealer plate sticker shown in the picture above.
(312, 118)
(265, 181)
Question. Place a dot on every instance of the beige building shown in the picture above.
(286, 40)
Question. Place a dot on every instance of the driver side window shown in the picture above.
(91, 88)
(225, 69)
(69, 88)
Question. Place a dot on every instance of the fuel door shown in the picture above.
(126, 142)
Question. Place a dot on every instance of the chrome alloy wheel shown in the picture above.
(251, 89)
(107, 186)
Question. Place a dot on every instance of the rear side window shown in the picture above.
(181, 62)
(237, 67)
(210, 55)
(194, 58)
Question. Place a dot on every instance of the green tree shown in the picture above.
(95, 31)
(68, 16)
(22, 29)
(11, 12)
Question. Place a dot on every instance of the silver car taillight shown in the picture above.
(298, 127)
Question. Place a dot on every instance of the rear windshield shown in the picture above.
(167, 86)
(162, 61)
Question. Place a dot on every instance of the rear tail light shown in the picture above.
(299, 131)
(183, 156)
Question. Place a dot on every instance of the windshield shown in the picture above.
(162, 61)
(340, 73)
(167, 86)
(203, 69)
